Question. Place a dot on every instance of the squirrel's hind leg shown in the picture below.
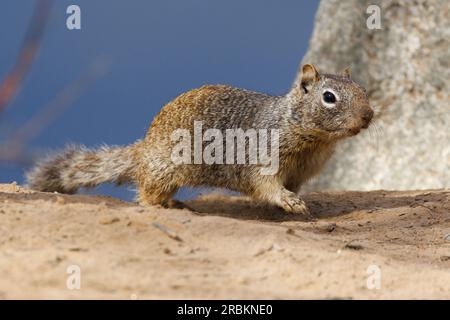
(151, 195)
(157, 183)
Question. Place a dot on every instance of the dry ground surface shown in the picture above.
(229, 248)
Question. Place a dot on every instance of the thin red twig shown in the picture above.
(13, 80)
(13, 151)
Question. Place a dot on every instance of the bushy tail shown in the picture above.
(78, 167)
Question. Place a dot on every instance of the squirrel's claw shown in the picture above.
(292, 204)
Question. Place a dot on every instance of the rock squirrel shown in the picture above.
(318, 111)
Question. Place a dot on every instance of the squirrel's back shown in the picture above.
(217, 106)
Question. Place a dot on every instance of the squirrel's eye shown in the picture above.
(329, 97)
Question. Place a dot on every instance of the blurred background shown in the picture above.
(103, 84)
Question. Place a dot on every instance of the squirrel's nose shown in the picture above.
(367, 117)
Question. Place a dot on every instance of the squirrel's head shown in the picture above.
(334, 105)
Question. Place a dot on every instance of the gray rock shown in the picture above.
(406, 68)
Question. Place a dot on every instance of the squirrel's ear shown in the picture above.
(347, 72)
(309, 76)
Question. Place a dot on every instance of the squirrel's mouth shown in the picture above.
(347, 132)
(354, 131)
(366, 125)
(350, 132)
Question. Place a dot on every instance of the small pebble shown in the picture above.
(108, 220)
(353, 245)
(276, 247)
(60, 200)
(290, 231)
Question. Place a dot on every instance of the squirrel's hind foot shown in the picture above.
(176, 204)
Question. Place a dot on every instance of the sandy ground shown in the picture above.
(230, 248)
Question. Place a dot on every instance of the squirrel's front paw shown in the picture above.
(295, 205)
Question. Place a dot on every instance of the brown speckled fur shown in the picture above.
(308, 133)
